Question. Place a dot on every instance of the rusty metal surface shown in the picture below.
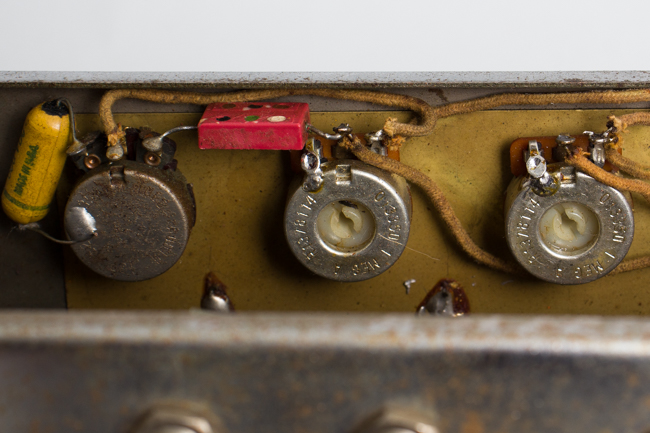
(565, 79)
(100, 372)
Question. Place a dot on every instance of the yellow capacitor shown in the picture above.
(38, 163)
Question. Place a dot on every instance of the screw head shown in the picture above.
(173, 419)
(399, 420)
(151, 159)
(92, 161)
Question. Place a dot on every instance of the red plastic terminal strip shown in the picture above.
(254, 125)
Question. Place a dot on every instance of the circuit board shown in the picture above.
(241, 196)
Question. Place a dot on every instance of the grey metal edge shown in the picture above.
(603, 336)
(101, 371)
(563, 79)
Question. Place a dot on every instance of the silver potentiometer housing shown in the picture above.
(563, 226)
(348, 221)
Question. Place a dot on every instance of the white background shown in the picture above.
(324, 35)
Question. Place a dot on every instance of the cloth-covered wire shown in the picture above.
(428, 117)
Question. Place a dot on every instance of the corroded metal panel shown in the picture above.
(100, 372)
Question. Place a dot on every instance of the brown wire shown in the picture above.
(427, 114)
(636, 169)
(631, 265)
(639, 118)
(505, 99)
(629, 166)
(439, 201)
(580, 162)
(391, 127)
(428, 117)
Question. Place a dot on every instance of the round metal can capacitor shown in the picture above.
(350, 184)
(143, 217)
(525, 229)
